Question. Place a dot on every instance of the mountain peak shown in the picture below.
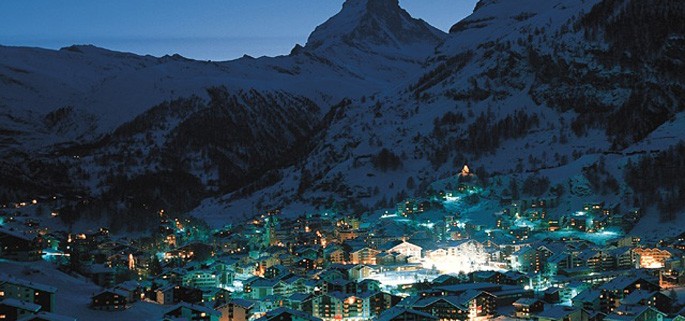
(371, 23)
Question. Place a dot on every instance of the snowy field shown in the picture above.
(73, 294)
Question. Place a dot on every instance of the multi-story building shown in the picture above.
(28, 291)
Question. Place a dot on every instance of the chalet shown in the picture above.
(336, 254)
(652, 257)
(18, 246)
(368, 285)
(617, 289)
(552, 295)
(530, 259)
(623, 257)
(300, 301)
(101, 275)
(236, 310)
(635, 313)
(588, 299)
(165, 295)
(331, 274)
(525, 307)
(409, 250)
(595, 260)
(359, 272)
(110, 300)
(504, 294)
(405, 314)
(654, 299)
(172, 294)
(263, 287)
(276, 272)
(352, 306)
(200, 278)
(458, 307)
(193, 312)
(42, 295)
(363, 255)
(132, 288)
(390, 258)
(13, 309)
(496, 277)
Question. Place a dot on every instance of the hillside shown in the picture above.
(376, 107)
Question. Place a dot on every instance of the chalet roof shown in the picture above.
(25, 283)
(387, 246)
(636, 296)
(482, 286)
(525, 302)
(486, 274)
(444, 278)
(112, 291)
(194, 307)
(523, 250)
(274, 314)
(299, 297)
(426, 244)
(396, 311)
(264, 283)
(17, 234)
(246, 304)
(460, 302)
(629, 313)
(557, 312)
(589, 295)
(47, 316)
(23, 305)
(452, 300)
(620, 283)
(515, 275)
(556, 258)
(587, 254)
(364, 281)
(339, 295)
(128, 285)
(340, 282)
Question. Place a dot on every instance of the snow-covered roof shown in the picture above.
(23, 305)
(195, 307)
(25, 283)
(47, 316)
(396, 311)
(274, 314)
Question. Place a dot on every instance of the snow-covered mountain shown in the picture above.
(377, 106)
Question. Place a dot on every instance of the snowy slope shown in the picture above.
(508, 58)
(376, 107)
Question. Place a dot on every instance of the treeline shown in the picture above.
(448, 140)
(386, 160)
(636, 26)
(486, 134)
(243, 135)
(601, 180)
(441, 72)
(658, 180)
(134, 204)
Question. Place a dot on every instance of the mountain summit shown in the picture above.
(368, 24)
